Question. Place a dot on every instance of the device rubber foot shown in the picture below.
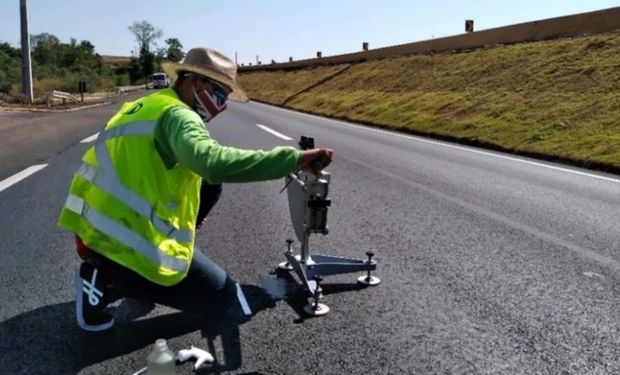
(316, 309)
(368, 280)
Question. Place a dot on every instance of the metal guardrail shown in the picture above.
(55, 95)
(123, 90)
(64, 96)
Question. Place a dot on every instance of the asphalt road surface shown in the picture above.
(490, 264)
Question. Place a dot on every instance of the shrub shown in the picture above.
(122, 80)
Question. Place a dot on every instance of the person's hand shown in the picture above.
(315, 160)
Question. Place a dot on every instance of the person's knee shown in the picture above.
(216, 302)
(226, 296)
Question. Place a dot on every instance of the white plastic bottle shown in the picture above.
(161, 359)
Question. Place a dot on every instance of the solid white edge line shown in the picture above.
(419, 139)
(279, 135)
(10, 181)
(90, 138)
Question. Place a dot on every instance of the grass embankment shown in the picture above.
(278, 87)
(556, 99)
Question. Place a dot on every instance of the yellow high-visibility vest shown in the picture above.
(126, 205)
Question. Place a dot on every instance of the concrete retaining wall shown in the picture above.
(585, 23)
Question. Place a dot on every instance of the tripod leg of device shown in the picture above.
(286, 266)
(369, 280)
(316, 308)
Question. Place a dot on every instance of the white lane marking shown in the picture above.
(244, 303)
(414, 138)
(593, 274)
(90, 139)
(7, 182)
(279, 135)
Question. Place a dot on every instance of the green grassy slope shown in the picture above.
(557, 99)
(277, 87)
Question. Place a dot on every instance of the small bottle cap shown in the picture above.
(161, 344)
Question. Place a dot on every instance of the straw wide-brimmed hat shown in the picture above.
(209, 63)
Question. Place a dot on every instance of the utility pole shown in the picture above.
(236, 58)
(26, 64)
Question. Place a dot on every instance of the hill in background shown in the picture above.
(556, 99)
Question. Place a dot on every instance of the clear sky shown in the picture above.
(276, 29)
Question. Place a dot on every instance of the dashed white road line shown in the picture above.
(90, 139)
(279, 135)
(6, 183)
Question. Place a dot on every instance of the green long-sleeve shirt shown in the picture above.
(181, 137)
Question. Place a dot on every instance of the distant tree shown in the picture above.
(60, 66)
(146, 36)
(44, 48)
(10, 51)
(10, 62)
(160, 55)
(174, 51)
(134, 70)
(99, 63)
(147, 63)
(87, 46)
(43, 39)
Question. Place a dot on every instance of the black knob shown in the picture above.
(289, 242)
(306, 143)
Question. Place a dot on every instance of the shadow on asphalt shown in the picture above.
(296, 296)
(47, 340)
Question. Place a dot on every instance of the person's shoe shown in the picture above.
(91, 299)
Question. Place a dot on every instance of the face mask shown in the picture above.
(210, 105)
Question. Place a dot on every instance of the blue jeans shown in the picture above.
(206, 289)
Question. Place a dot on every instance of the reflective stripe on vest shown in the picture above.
(123, 235)
(107, 180)
(103, 180)
(134, 128)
